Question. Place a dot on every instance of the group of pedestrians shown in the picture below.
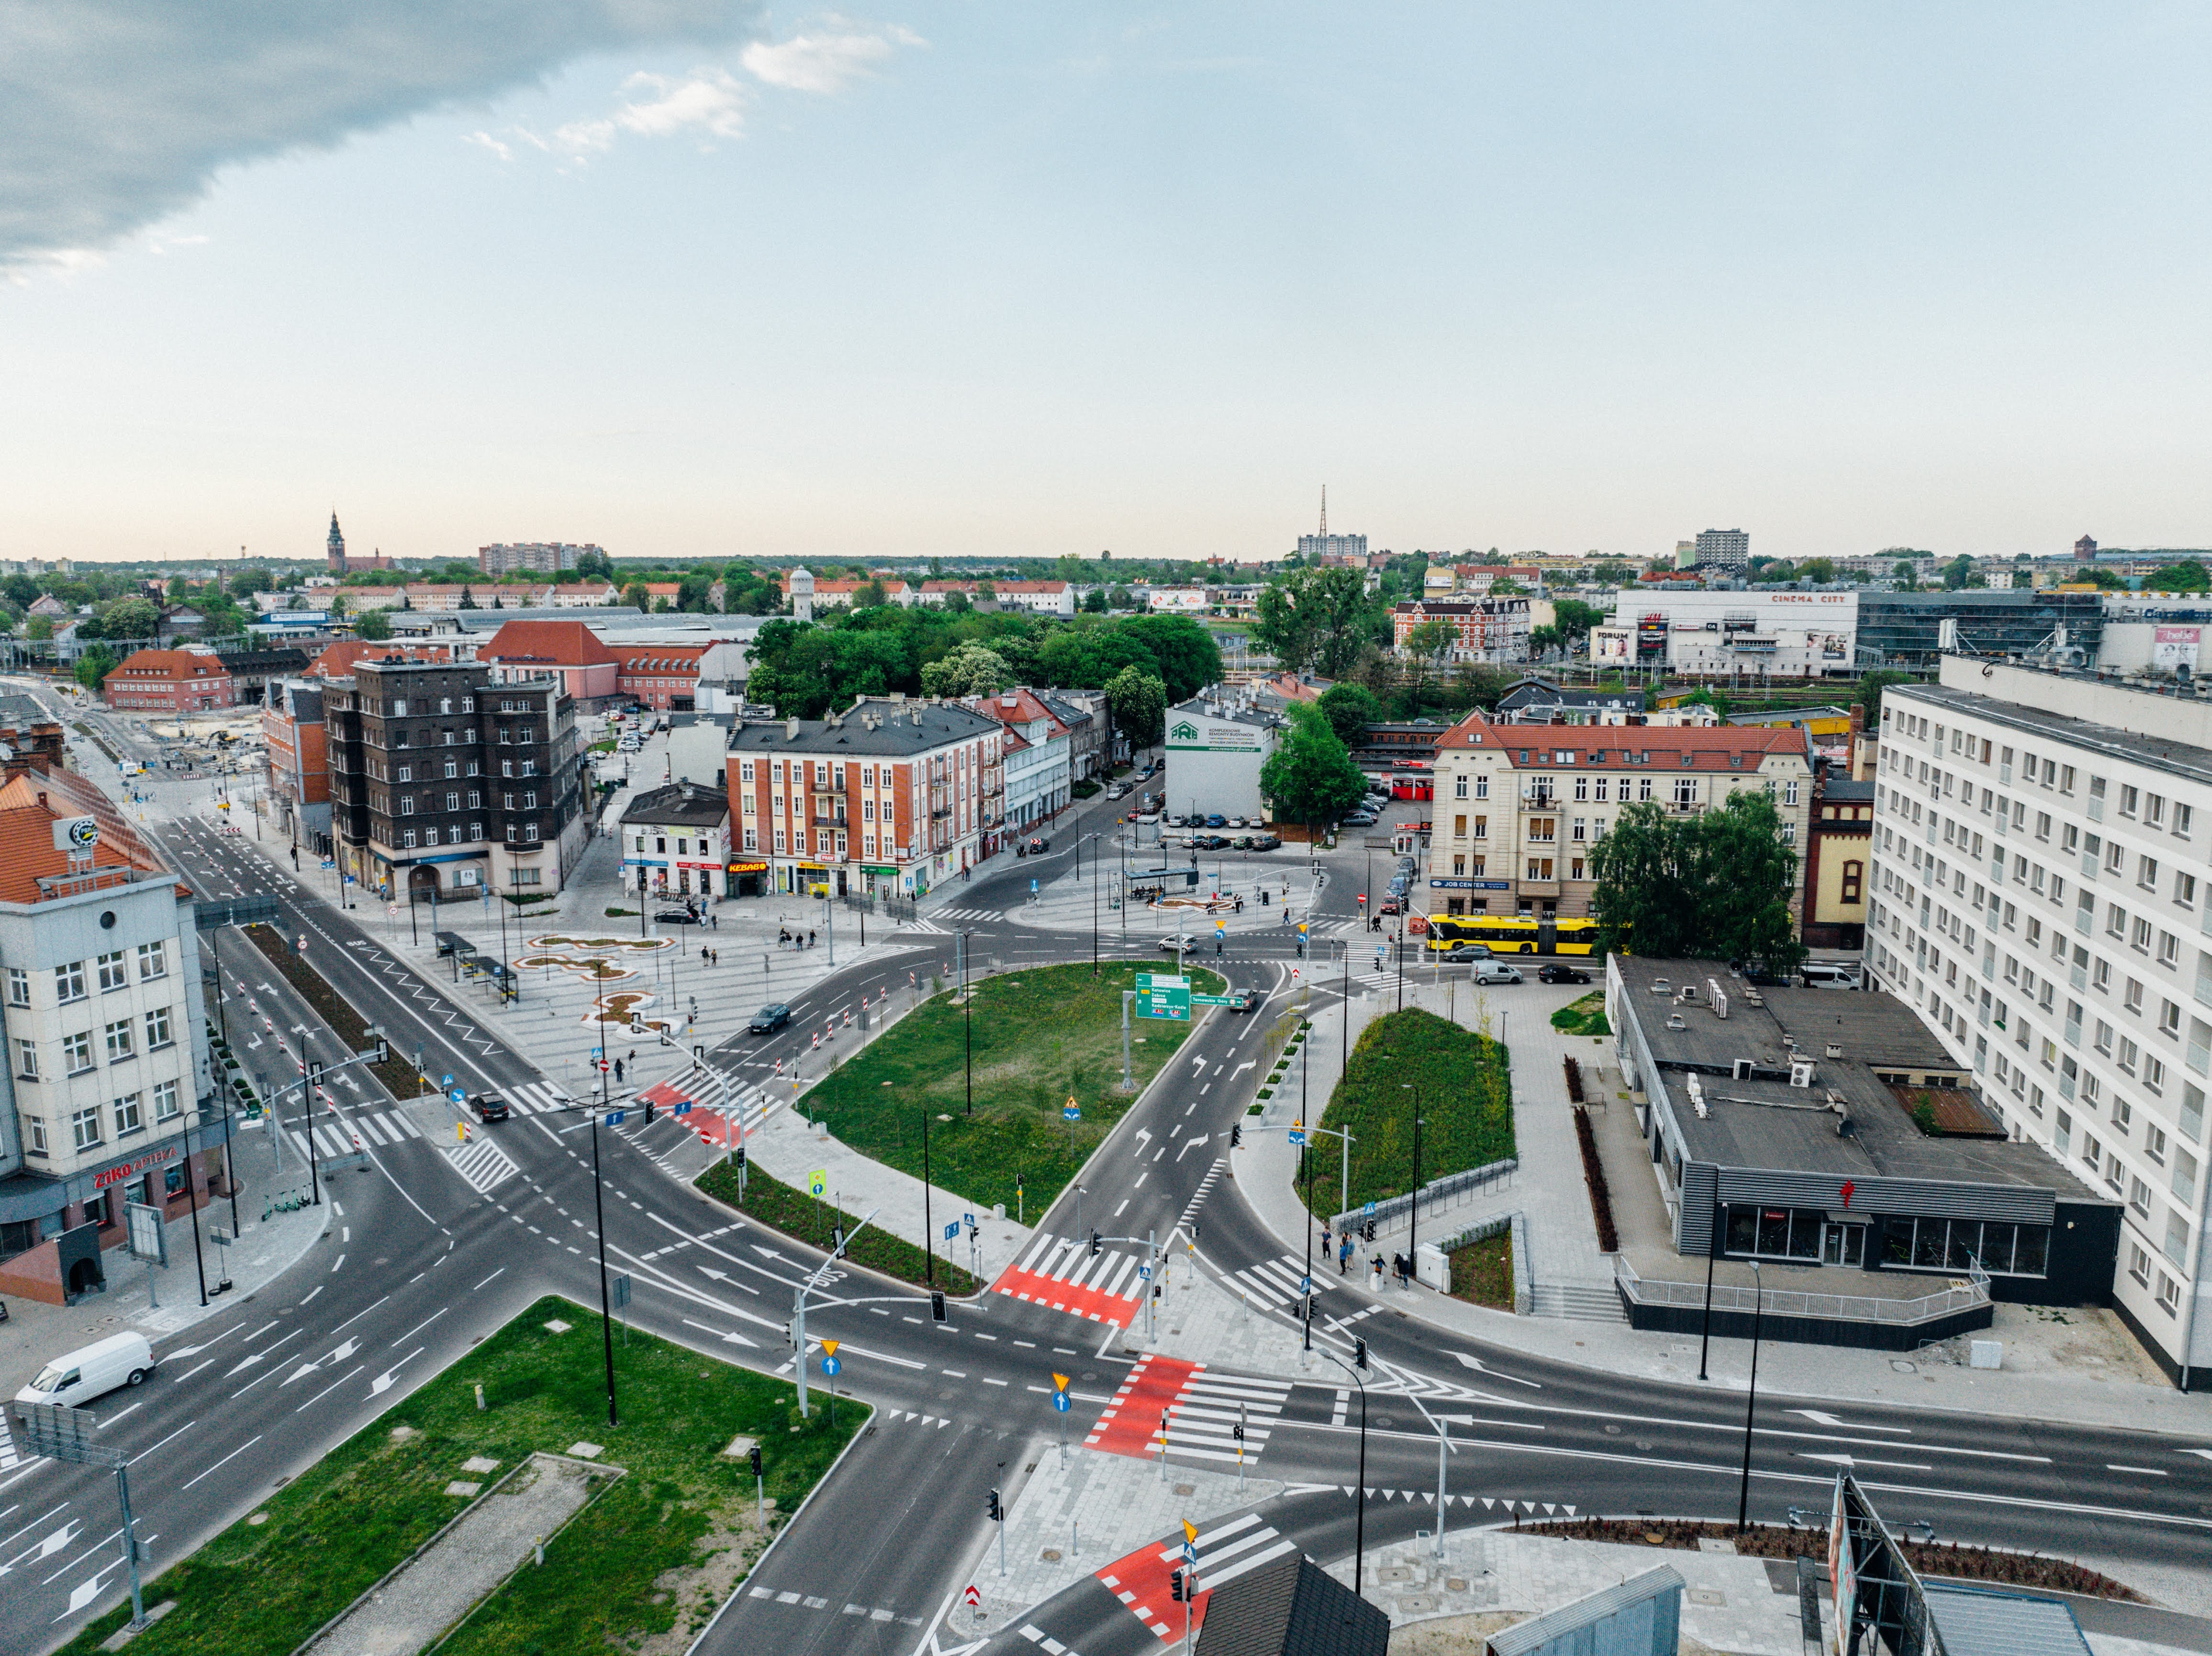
(787, 939)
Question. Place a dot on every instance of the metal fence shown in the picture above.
(1454, 1190)
(891, 908)
(1794, 1303)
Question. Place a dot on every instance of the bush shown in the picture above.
(1601, 1197)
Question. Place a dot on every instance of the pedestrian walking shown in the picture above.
(618, 1072)
(810, 937)
(715, 957)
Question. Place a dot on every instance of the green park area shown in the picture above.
(652, 1554)
(1585, 1017)
(1040, 1038)
(1461, 1085)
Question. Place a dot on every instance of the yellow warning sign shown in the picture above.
(1189, 1532)
(1059, 1382)
(829, 1348)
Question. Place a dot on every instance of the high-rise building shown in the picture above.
(532, 557)
(1323, 544)
(1723, 549)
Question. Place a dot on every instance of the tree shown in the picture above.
(1903, 571)
(1956, 572)
(130, 618)
(1505, 586)
(594, 566)
(637, 597)
(1310, 778)
(93, 666)
(374, 625)
(1818, 570)
(1716, 885)
(692, 592)
(247, 582)
(1574, 618)
(1426, 646)
(1869, 694)
(468, 599)
(2187, 576)
(1314, 619)
(41, 627)
(1611, 571)
(870, 594)
(1542, 640)
(967, 669)
(1094, 601)
(1348, 707)
(1139, 702)
(1705, 696)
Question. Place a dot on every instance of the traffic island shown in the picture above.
(992, 1078)
(814, 1221)
(640, 1568)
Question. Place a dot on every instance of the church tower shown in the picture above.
(337, 548)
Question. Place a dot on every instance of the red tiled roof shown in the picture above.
(1622, 747)
(561, 643)
(173, 665)
(29, 807)
(336, 660)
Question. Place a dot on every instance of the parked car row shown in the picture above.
(1235, 842)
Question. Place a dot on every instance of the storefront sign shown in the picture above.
(123, 1170)
(748, 868)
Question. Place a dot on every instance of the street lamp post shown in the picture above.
(1750, 1403)
(968, 1022)
(1359, 1487)
(1713, 1250)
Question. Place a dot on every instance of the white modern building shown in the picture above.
(2041, 899)
(1215, 747)
(1720, 635)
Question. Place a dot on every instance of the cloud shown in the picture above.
(708, 101)
(490, 143)
(825, 62)
(116, 112)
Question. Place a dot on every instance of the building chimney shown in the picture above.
(791, 730)
(1858, 719)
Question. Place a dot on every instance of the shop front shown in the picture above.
(36, 1213)
(745, 880)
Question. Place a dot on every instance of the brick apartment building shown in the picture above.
(891, 796)
(169, 682)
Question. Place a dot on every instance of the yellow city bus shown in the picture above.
(1505, 934)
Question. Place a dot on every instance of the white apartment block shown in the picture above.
(2042, 899)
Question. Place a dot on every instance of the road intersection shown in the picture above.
(422, 1256)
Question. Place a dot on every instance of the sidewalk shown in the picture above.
(2061, 1365)
(35, 1332)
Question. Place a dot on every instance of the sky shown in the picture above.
(710, 279)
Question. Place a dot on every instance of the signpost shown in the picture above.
(1071, 1113)
(621, 1286)
(830, 1366)
(1163, 995)
(149, 1240)
(1061, 1404)
(61, 1433)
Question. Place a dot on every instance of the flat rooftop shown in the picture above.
(1769, 1123)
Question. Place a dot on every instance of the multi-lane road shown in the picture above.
(431, 1245)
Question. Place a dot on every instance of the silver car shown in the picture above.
(1496, 971)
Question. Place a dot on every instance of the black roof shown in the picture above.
(21, 711)
(679, 805)
(280, 660)
(1542, 693)
(1291, 1607)
(877, 728)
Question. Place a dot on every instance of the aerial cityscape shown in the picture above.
(836, 834)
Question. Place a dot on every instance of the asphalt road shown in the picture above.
(418, 1261)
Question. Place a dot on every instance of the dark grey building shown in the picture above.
(442, 780)
(1827, 1129)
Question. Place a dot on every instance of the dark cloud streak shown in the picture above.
(114, 114)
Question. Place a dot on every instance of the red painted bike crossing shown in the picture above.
(1131, 1424)
(1062, 1273)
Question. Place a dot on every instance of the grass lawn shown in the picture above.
(652, 1556)
(1465, 1089)
(1039, 1036)
(1482, 1272)
(1583, 1017)
(797, 1213)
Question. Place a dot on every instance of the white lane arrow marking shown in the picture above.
(382, 1383)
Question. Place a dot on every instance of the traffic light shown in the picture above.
(937, 1305)
(1359, 1353)
(648, 1112)
(1097, 1242)
(1177, 1588)
(1367, 1231)
(757, 1459)
(1236, 1134)
(1237, 1431)
(993, 1510)
(741, 1158)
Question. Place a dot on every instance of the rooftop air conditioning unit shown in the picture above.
(1833, 1050)
(1801, 1072)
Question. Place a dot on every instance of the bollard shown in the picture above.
(480, 1402)
(540, 1550)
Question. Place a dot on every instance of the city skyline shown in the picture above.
(696, 280)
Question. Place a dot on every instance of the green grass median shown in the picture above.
(1040, 1037)
(814, 1219)
(652, 1556)
(1462, 1083)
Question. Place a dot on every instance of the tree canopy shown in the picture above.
(1315, 620)
(1139, 703)
(1310, 778)
(1347, 707)
(1715, 886)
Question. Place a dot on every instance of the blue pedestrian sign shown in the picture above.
(597, 1052)
(968, 1219)
(830, 1366)
(1370, 1210)
(682, 1106)
(1060, 1402)
(1033, 885)
(1144, 1273)
(1189, 1554)
(447, 1082)
(953, 1230)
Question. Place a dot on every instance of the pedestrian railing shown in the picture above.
(1439, 1195)
(1961, 1295)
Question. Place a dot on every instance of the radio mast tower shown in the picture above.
(1324, 510)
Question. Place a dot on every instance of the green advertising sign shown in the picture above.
(1163, 995)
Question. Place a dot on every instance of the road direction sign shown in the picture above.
(459, 1097)
(1163, 995)
(616, 1118)
(830, 1366)
(620, 1290)
(818, 1180)
(1071, 1112)
(1213, 1000)
(682, 1106)
(1298, 1134)
(1060, 1402)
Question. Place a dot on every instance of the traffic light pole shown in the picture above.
(798, 1309)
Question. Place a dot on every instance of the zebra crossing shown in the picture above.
(1230, 1549)
(481, 1163)
(1062, 1273)
(1279, 1280)
(336, 1136)
(1198, 1197)
(973, 915)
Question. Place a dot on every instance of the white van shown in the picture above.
(1830, 974)
(92, 1371)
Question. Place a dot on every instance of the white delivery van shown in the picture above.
(1830, 974)
(92, 1371)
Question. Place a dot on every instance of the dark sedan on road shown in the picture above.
(489, 1106)
(1561, 974)
(769, 1019)
(674, 916)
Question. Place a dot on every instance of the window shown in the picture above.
(2138, 1262)
(2182, 814)
(2132, 998)
(35, 1127)
(1789, 792)
(1685, 791)
(158, 1029)
(84, 1127)
(153, 960)
(166, 1106)
(407, 838)
(1459, 787)
(2169, 1018)
(2185, 890)
(19, 987)
(69, 982)
(113, 972)
(76, 1052)
(120, 1045)
(406, 804)
(2128, 798)
(27, 1058)
(406, 773)
(2154, 1074)
(128, 1120)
